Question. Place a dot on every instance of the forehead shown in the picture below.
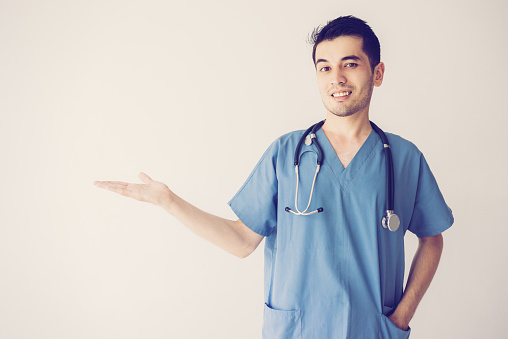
(336, 49)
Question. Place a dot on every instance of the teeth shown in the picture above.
(342, 94)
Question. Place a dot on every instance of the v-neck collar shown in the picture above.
(346, 175)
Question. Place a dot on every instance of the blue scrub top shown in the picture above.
(337, 274)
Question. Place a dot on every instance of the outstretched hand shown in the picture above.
(151, 191)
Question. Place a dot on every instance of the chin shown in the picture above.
(342, 113)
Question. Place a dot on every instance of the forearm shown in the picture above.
(423, 268)
(227, 234)
(233, 236)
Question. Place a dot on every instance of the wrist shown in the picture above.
(402, 316)
(167, 201)
(400, 320)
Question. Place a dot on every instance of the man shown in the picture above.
(331, 270)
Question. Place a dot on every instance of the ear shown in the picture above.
(379, 72)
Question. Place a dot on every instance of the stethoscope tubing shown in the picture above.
(389, 167)
(391, 220)
(312, 130)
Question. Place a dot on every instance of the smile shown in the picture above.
(341, 94)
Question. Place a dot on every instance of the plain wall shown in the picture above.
(192, 93)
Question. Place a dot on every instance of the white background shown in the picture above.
(192, 93)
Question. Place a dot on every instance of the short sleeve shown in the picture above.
(431, 214)
(255, 204)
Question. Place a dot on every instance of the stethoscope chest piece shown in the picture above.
(391, 221)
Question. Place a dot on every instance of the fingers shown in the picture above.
(114, 186)
(126, 189)
(122, 188)
(104, 184)
(145, 178)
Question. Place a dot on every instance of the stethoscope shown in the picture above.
(390, 220)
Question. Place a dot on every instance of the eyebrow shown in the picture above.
(349, 57)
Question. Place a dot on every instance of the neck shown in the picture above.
(355, 126)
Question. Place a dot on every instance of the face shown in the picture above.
(345, 78)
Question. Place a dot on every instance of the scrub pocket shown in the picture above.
(388, 330)
(278, 324)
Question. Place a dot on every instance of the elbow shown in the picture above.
(435, 242)
(241, 255)
(247, 241)
(248, 246)
(245, 251)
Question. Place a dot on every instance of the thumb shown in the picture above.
(145, 178)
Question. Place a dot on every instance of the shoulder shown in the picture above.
(286, 141)
(290, 137)
(403, 146)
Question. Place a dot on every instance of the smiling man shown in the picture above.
(346, 82)
(334, 264)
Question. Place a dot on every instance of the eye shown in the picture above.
(324, 69)
(351, 65)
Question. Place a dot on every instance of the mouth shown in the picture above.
(341, 94)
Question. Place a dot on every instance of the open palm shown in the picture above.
(151, 191)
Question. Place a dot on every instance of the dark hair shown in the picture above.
(352, 26)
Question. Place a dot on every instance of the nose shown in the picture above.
(338, 77)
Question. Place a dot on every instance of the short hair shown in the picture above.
(348, 26)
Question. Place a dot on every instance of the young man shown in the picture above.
(331, 269)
